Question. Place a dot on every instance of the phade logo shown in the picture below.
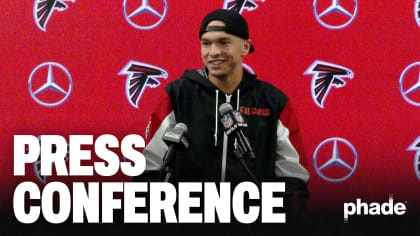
(374, 208)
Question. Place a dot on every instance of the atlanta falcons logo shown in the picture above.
(43, 10)
(240, 5)
(325, 76)
(37, 167)
(37, 163)
(140, 76)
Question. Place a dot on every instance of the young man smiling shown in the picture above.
(222, 56)
(195, 98)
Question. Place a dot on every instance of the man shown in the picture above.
(195, 98)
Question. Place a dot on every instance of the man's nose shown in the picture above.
(214, 50)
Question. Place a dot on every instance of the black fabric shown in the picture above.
(193, 99)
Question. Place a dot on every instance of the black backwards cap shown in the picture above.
(235, 24)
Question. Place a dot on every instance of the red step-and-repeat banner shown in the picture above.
(350, 67)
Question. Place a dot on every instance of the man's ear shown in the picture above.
(246, 47)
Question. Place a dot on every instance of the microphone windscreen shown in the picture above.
(225, 108)
(182, 127)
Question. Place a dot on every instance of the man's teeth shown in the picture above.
(216, 62)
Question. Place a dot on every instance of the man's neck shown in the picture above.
(229, 83)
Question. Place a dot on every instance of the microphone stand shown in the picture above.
(167, 170)
(239, 153)
(174, 138)
(233, 122)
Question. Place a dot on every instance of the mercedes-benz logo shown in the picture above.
(411, 76)
(332, 153)
(415, 146)
(417, 12)
(335, 7)
(143, 22)
(50, 70)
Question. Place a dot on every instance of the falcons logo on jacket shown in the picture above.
(240, 5)
(43, 10)
(140, 76)
(325, 76)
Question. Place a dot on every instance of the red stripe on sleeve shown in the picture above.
(289, 120)
(161, 110)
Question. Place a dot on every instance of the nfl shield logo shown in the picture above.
(227, 121)
(238, 117)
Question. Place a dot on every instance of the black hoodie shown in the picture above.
(272, 130)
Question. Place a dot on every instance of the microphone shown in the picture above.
(233, 122)
(174, 138)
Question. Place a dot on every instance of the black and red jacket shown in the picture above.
(272, 130)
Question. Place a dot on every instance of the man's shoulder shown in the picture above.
(185, 79)
(270, 90)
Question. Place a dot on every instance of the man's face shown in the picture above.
(222, 52)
